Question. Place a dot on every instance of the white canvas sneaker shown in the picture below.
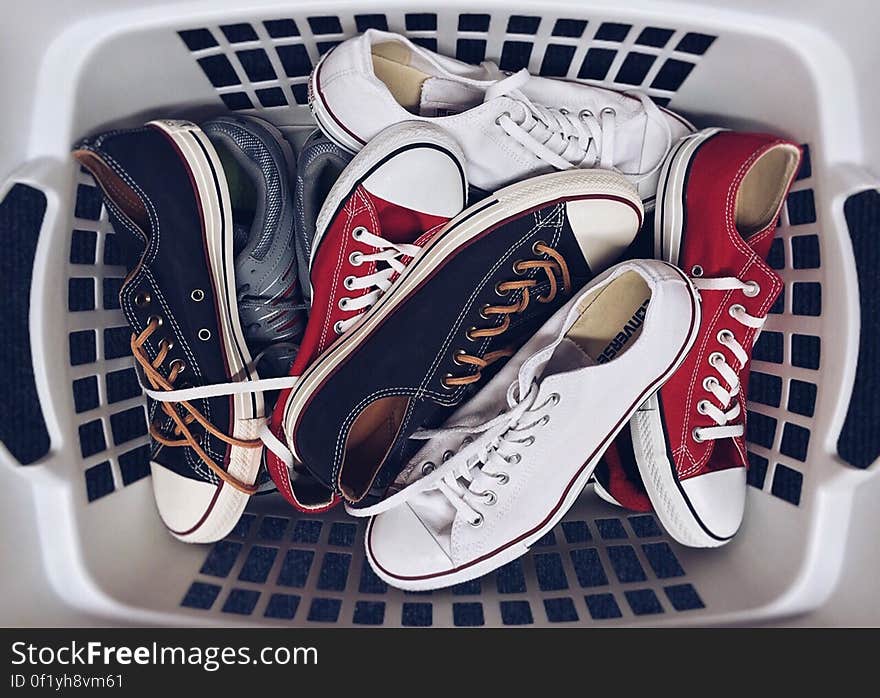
(510, 126)
(488, 485)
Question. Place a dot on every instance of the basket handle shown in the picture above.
(29, 205)
(859, 440)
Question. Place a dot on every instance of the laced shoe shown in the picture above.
(719, 200)
(510, 127)
(489, 485)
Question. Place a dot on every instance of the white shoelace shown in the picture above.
(488, 448)
(725, 415)
(391, 253)
(566, 140)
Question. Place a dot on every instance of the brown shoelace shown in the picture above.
(182, 424)
(553, 267)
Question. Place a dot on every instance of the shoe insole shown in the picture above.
(761, 191)
(611, 318)
(390, 64)
(369, 439)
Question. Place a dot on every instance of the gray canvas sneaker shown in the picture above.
(259, 167)
(319, 165)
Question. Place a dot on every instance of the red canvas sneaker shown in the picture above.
(717, 207)
(392, 198)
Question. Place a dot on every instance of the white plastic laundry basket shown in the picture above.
(78, 523)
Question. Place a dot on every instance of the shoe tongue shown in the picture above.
(442, 97)
(240, 236)
(563, 356)
(510, 84)
(567, 357)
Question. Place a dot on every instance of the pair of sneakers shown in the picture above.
(213, 237)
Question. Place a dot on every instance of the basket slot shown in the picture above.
(22, 426)
(859, 441)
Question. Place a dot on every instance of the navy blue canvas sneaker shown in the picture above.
(476, 292)
(170, 205)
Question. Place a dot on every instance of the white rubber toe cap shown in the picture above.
(182, 502)
(400, 547)
(421, 179)
(718, 499)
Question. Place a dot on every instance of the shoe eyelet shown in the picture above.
(343, 303)
(609, 110)
(467, 440)
(358, 232)
(458, 353)
(143, 299)
(535, 247)
(563, 110)
(483, 312)
(337, 327)
(753, 290)
(498, 118)
(477, 521)
(155, 318)
(695, 435)
(502, 478)
(529, 441)
(167, 344)
(724, 336)
(736, 309)
(178, 362)
(517, 270)
(584, 113)
(355, 259)
(696, 270)
(445, 384)
(204, 334)
(347, 282)
(470, 336)
(544, 420)
(489, 498)
(447, 454)
(701, 407)
(515, 459)
(500, 291)
(198, 295)
(709, 382)
(555, 398)
(428, 468)
(715, 357)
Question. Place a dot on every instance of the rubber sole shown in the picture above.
(201, 158)
(506, 204)
(516, 550)
(325, 120)
(648, 431)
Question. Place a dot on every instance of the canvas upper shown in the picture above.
(727, 211)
